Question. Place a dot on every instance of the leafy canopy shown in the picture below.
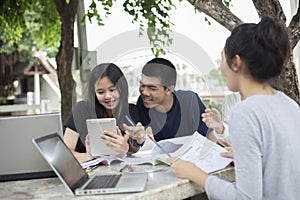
(29, 25)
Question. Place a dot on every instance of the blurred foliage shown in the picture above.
(217, 75)
(154, 15)
(213, 104)
(29, 25)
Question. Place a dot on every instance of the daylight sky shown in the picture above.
(192, 25)
(196, 44)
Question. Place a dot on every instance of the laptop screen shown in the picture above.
(62, 160)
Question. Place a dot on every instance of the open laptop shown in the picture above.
(19, 158)
(70, 172)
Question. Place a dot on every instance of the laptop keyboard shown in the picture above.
(106, 181)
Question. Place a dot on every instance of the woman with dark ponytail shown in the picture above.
(264, 127)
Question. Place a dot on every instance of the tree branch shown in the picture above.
(271, 8)
(294, 27)
(218, 11)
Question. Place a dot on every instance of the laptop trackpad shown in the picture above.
(132, 180)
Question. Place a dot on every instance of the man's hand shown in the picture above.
(136, 132)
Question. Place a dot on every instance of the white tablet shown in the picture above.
(95, 129)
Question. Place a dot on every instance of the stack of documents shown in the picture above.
(196, 148)
(205, 154)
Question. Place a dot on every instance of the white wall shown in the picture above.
(50, 100)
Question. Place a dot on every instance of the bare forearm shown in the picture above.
(199, 177)
(82, 157)
(186, 169)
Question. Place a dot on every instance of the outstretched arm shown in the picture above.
(71, 138)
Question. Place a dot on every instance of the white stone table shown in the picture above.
(161, 184)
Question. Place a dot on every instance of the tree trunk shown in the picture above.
(288, 80)
(67, 12)
(7, 61)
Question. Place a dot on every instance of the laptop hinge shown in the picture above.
(81, 182)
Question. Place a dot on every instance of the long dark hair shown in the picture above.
(116, 76)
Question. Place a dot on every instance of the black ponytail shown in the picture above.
(265, 47)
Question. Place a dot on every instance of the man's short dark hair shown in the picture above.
(163, 69)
